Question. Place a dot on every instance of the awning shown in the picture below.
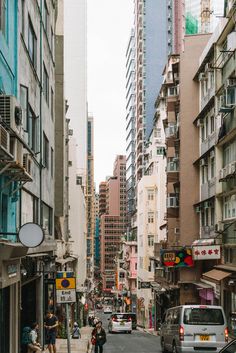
(204, 242)
(64, 261)
(216, 275)
(203, 285)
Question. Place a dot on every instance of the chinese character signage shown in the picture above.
(206, 252)
(177, 257)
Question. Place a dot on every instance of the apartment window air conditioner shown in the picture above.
(207, 204)
(222, 173)
(27, 163)
(231, 82)
(11, 113)
(203, 162)
(200, 122)
(4, 139)
(198, 209)
(202, 76)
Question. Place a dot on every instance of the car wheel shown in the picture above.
(174, 349)
(163, 349)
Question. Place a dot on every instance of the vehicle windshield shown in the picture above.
(121, 316)
(203, 316)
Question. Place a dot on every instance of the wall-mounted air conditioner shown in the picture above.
(27, 163)
(11, 113)
(16, 149)
(4, 140)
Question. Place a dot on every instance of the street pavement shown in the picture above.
(137, 342)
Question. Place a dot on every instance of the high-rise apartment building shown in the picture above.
(90, 196)
(113, 221)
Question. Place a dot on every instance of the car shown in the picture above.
(229, 348)
(191, 328)
(120, 322)
(107, 310)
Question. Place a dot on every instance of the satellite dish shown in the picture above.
(31, 235)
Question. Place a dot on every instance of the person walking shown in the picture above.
(34, 346)
(99, 337)
(76, 331)
(51, 323)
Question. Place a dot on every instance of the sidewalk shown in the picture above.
(149, 330)
(77, 345)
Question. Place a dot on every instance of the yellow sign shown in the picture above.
(65, 283)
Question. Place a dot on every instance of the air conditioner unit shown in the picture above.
(200, 122)
(11, 113)
(228, 169)
(212, 154)
(231, 82)
(207, 204)
(27, 163)
(16, 149)
(198, 209)
(222, 173)
(202, 76)
(203, 162)
(233, 167)
(4, 140)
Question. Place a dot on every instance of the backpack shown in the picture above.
(26, 337)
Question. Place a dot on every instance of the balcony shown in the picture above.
(208, 189)
(228, 172)
(204, 100)
(228, 67)
(227, 130)
(208, 143)
(173, 166)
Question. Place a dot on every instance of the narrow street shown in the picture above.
(137, 342)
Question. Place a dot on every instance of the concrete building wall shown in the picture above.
(75, 15)
(189, 146)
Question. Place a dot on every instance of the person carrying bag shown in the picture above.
(98, 337)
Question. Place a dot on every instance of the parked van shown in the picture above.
(191, 328)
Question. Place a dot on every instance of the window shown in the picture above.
(52, 104)
(32, 130)
(161, 151)
(32, 44)
(35, 210)
(136, 266)
(3, 16)
(150, 195)
(52, 162)
(45, 151)
(24, 106)
(45, 84)
(212, 122)
(150, 217)
(45, 17)
(78, 180)
(47, 218)
(23, 18)
(150, 240)
(230, 207)
(212, 167)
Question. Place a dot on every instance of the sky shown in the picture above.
(109, 27)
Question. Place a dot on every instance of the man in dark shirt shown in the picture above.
(51, 324)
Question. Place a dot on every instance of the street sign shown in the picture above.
(65, 287)
(65, 283)
(66, 296)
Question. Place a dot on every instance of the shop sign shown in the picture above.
(177, 257)
(206, 252)
(66, 296)
(12, 270)
(10, 273)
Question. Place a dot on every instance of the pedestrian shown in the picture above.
(34, 346)
(51, 323)
(76, 331)
(98, 337)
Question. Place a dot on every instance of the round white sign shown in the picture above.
(31, 235)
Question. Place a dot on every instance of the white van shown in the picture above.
(194, 328)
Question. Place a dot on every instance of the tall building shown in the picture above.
(90, 196)
(113, 221)
(27, 110)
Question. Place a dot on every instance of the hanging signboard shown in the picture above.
(177, 257)
(207, 252)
